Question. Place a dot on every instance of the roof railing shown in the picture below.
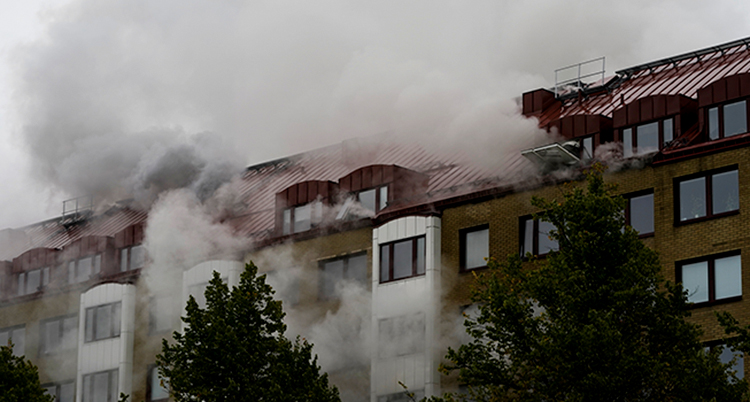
(574, 75)
(77, 209)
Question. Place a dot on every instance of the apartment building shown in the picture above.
(372, 243)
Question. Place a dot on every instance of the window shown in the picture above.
(707, 195)
(302, 218)
(647, 138)
(402, 259)
(100, 387)
(156, 388)
(712, 279)
(334, 271)
(160, 314)
(33, 281)
(535, 237)
(198, 291)
(58, 334)
(374, 199)
(727, 120)
(401, 336)
(639, 212)
(63, 392)
(103, 322)
(587, 148)
(402, 396)
(15, 335)
(475, 247)
(132, 258)
(80, 270)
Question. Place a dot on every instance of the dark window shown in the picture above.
(301, 218)
(17, 336)
(402, 259)
(475, 247)
(62, 392)
(727, 120)
(33, 281)
(334, 271)
(58, 334)
(647, 138)
(160, 314)
(374, 199)
(712, 279)
(401, 336)
(100, 387)
(132, 258)
(103, 322)
(707, 195)
(156, 388)
(402, 396)
(535, 238)
(80, 270)
(639, 213)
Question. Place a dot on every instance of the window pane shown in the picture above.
(33, 280)
(45, 276)
(528, 237)
(728, 274)
(385, 253)
(137, 257)
(287, 222)
(725, 193)
(648, 138)
(87, 397)
(713, 123)
(21, 284)
(477, 248)
(695, 281)
(545, 243)
(402, 259)
(357, 269)
(67, 392)
(113, 385)
(420, 256)
(587, 148)
(157, 391)
(116, 318)
(103, 322)
(642, 213)
(333, 273)
(199, 293)
(17, 336)
(89, 324)
(668, 130)
(97, 262)
(83, 271)
(302, 218)
(692, 199)
(72, 272)
(627, 142)
(70, 333)
(161, 314)
(735, 119)
(101, 387)
(383, 198)
(367, 199)
(51, 337)
(727, 355)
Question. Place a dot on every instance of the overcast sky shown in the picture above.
(94, 94)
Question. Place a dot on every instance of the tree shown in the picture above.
(235, 350)
(19, 379)
(593, 322)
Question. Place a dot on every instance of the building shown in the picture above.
(372, 243)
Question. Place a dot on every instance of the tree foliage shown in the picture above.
(593, 322)
(235, 350)
(19, 379)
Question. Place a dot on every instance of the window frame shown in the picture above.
(414, 258)
(633, 132)
(379, 204)
(711, 281)
(463, 249)
(112, 379)
(115, 326)
(585, 156)
(44, 349)
(58, 388)
(720, 116)
(708, 175)
(152, 370)
(94, 270)
(22, 279)
(535, 240)
(21, 346)
(316, 216)
(628, 209)
(129, 257)
(345, 259)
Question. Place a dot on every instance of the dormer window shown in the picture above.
(302, 218)
(374, 199)
(727, 120)
(646, 138)
(33, 281)
(80, 270)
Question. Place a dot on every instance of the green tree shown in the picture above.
(235, 350)
(593, 322)
(19, 379)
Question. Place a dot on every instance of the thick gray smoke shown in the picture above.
(111, 98)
